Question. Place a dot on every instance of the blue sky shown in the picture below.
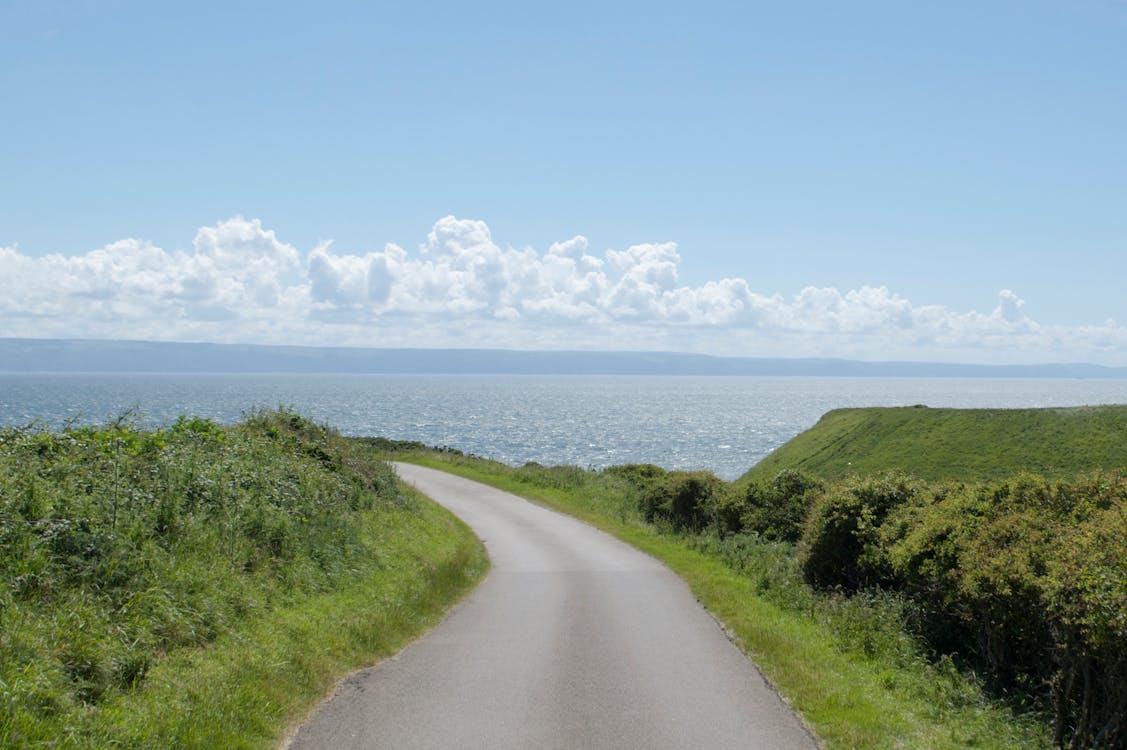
(928, 181)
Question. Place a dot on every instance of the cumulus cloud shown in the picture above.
(239, 282)
(1009, 307)
(234, 271)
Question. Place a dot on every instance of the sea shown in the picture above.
(724, 424)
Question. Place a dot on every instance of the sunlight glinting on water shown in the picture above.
(723, 424)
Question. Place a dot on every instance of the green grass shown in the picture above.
(204, 586)
(845, 665)
(256, 682)
(966, 445)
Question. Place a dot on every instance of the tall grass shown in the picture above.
(178, 587)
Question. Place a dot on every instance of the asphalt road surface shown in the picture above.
(574, 640)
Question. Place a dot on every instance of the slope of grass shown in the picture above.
(966, 445)
(845, 665)
(201, 585)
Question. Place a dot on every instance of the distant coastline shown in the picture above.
(105, 356)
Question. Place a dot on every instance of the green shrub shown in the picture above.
(776, 510)
(724, 510)
(680, 499)
(1085, 587)
(841, 536)
(1024, 580)
(641, 476)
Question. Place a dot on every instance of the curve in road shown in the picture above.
(574, 640)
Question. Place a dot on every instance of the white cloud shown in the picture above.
(131, 287)
(1009, 307)
(239, 282)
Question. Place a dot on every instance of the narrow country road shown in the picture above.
(574, 640)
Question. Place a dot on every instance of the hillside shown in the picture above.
(962, 444)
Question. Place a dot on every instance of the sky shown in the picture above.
(870, 180)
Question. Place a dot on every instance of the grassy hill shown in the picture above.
(962, 444)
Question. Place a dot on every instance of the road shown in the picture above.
(574, 640)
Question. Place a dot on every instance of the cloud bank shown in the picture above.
(240, 283)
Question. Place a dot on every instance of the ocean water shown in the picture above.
(723, 424)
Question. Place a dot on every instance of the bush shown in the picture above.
(841, 541)
(1085, 588)
(777, 510)
(680, 499)
(1025, 580)
(641, 476)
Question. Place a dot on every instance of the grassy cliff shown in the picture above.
(957, 444)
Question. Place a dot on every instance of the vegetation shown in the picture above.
(1021, 578)
(201, 585)
(964, 445)
(855, 667)
(1024, 580)
(968, 602)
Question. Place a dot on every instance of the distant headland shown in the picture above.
(104, 356)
